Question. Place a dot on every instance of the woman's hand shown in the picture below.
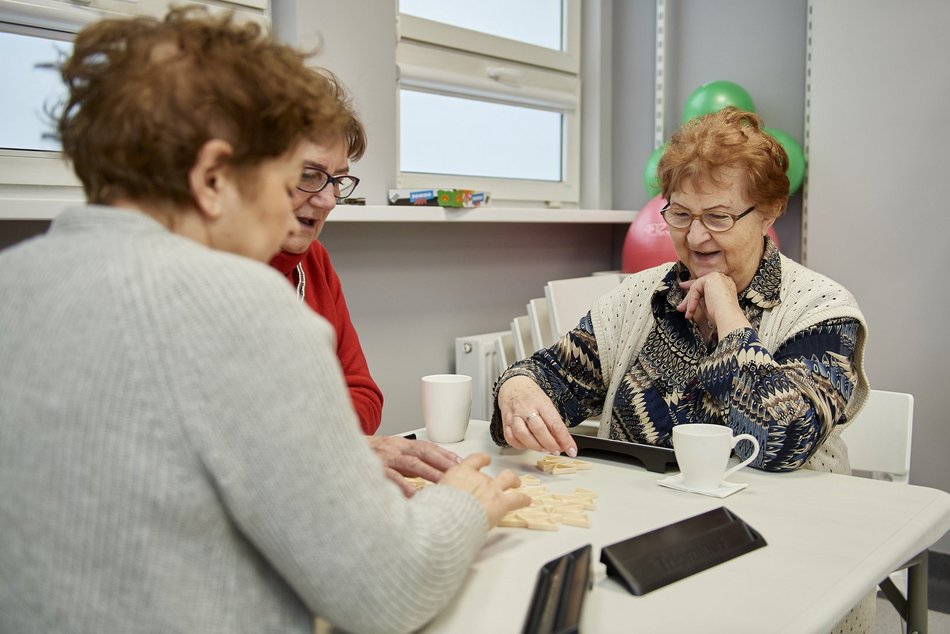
(530, 420)
(498, 496)
(403, 458)
(713, 299)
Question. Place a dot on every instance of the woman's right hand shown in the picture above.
(530, 420)
(498, 496)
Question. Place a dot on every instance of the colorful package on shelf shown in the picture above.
(460, 198)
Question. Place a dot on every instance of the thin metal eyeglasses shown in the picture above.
(716, 221)
(314, 179)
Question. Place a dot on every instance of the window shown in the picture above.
(525, 142)
(24, 124)
(33, 35)
(489, 97)
(498, 17)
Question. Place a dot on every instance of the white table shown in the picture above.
(831, 539)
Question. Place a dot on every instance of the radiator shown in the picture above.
(477, 356)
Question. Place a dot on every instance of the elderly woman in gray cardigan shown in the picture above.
(734, 333)
(178, 450)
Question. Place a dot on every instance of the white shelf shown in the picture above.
(30, 208)
(399, 213)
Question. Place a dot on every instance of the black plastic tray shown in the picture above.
(656, 459)
(655, 559)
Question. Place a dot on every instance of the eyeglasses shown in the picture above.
(716, 221)
(314, 179)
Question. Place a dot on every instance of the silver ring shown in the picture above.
(531, 415)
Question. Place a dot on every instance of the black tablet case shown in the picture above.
(658, 558)
(559, 594)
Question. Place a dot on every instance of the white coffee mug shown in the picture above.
(446, 406)
(702, 453)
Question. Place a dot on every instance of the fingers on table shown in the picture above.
(477, 460)
(507, 479)
(434, 455)
(411, 466)
(540, 430)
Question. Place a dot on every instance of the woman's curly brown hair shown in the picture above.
(146, 94)
(705, 146)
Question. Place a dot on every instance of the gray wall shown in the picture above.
(758, 44)
(877, 193)
(413, 288)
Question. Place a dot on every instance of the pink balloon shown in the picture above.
(648, 242)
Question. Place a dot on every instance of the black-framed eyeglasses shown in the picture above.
(314, 179)
(716, 221)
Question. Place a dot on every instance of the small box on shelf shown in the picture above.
(457, 198)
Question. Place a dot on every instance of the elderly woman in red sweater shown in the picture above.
(306, 264)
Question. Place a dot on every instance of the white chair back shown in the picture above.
(878, 441)
(541, 334)
(571, 299)
(521, 334)
(879, 438)
(504, 351)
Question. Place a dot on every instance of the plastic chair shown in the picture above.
(541, 334)
(879, 438)
(521, 334)
(504, 351)
(571, 299)
(879, 444)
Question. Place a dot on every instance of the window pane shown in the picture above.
(28, 89)
(451, 135)
(537, 22)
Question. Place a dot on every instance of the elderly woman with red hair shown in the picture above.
(733, 333)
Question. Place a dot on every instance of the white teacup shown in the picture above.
(446, 406)
(702, 452)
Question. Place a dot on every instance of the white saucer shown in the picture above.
(725, 489)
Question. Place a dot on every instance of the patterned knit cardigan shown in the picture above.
(623, 318)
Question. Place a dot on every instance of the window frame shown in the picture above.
(28, 170)
(41, 18)
(449, 60)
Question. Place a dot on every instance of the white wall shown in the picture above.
(877, 197)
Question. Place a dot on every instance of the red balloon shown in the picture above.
(648, 242)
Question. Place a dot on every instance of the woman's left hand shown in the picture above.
(713, 298)
(403, 458)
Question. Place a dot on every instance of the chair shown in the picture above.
(879, 438)
(521, 334)
(477, 356)
(540, 321)
(504, 351)
(570, 299)
(879, 443)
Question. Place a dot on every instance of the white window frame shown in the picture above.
(28, 173)
(449, 60)
(28, 169)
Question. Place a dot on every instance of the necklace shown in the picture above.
(301, 282)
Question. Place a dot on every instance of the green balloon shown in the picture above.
(796, 159)
(714, 96)
(650, 181)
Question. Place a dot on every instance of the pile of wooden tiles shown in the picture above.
(548, 510)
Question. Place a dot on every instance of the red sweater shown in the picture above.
(324, 294)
